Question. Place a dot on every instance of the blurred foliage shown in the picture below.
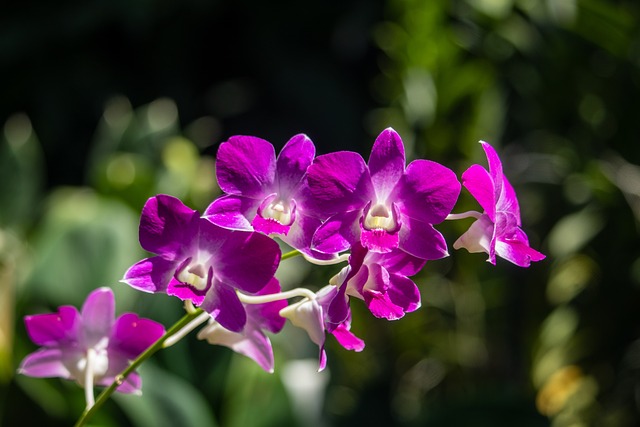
(551, 84)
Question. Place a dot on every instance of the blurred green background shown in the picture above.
(106, 103)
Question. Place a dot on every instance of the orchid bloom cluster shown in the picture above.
(378, 216)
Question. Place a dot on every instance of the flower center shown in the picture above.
(379, 217)
(195, 275)
(279, 211)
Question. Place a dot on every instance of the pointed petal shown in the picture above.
(337, 233)
(98, 315)
(386, 163)
(338, 182)
(235, 212)
(151, 274)
(53, 329)
(225, 307)
(477, 180)
(246, 166)
(292, 163)
(167, 226)
(508, 202)
(495, 167)
(427, 191)
(347, 339)
(132, 335)
(44, 363)
(422, 240)
(381, 306)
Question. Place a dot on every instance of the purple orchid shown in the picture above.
(91, 346)
(381, 281)
(252, 340)
(311, 314)
(497, 231)
(382, 204)
(265, 193)
(201, 262)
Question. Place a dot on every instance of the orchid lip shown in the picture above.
(277, 209)
(195, 275)
(380, 217)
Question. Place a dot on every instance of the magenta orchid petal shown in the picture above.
(133, 334)
(386, 162)
(404, 293)
(225, 307)
(151, 274)
(381, 306)
(421, 240)
(267, 315)
(477, 180)
(427, 191)
(347, 339)
(508, 202)
(339, 182)
(98, 315)
(292, 164)
(495, 168)
(301, 234)
(44, 363)
(49, 329)
(245, 166)
(234, 212)
(167, 226)
(398, 262)
(336, 233)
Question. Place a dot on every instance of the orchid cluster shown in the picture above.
(377, 216)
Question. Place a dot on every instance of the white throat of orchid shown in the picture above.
(196, 275)
(279, 211)
(380, 217)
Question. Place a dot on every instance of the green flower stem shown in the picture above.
(291, 254)
(104, 396)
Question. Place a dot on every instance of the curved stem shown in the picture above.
(262, 299)
(106, 393)
(291, 254)
(469, 214)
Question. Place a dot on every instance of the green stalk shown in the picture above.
(104, 396)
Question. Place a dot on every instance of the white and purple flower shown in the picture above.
(201, 262)
(382, 204)
(497, 231)
(90, 346)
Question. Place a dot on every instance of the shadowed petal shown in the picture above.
(131, 334)
(477, 180)
(386, 163)
(267, 315)
(337, 233)
(427, 191)
(495, 168)
(246, 165)
(397, 261)
(403, 293)
(225, 307)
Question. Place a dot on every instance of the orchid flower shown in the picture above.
(310, 314)
(382, 204)
(90, 346)
(497, 231)
(201, 262)
(252, 341)
(266, 193)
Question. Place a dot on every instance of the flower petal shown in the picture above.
(404, 293)
(338, 182)
(235, 212)
(381, 305)
(292, 163)
(167, 226)
(267, 316)
(131, 334)
(337, 233)
(495, 168)
(478, 238)
(246, 166)
(347, 339)
(225, 307)
(151, 274)
(53, 329)
(44, 363)
(477, 180)
(422, 240)
(246, 261)
(427, 191)
(386, 163)
(98, 315)
(398, 262)
(301, 234)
